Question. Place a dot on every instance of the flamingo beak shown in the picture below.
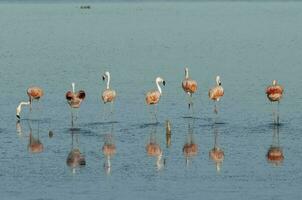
(219, 83)
(103, 77)
(18, 116)
(164, 82)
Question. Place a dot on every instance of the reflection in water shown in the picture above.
(34, 143)
(216, 153)
(153, 148)
(50, 134)
(190, 148)
(275, 153)
(75, 158)
(19, 128)
(168, 133)
(109, 149)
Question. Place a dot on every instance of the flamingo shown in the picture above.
(33, 93)
(74, 99)
(274, 93)
(153, 97)
(108, 95)
(216, 92)
(189, 86)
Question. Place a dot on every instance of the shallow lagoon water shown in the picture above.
(247, 44)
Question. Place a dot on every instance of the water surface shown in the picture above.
(247, 44)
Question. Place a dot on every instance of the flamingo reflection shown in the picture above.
(34, 145)
(153, 148)
(275, 153)
(109, 149)
(216, 153)
(190, 148)
(75, 158)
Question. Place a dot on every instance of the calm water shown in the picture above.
(247, 44)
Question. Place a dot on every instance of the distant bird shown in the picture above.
(33, 93)
(153, 97)
(216, 92)
(274, 93)
(108, 95)
(74, 99)
(189, 86)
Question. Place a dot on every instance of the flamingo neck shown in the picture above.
(274, 82)
(158, 87)
(108, 81)
(73, 87)
(187, 73)
(218, 80)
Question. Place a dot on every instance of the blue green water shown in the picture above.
(247, 44)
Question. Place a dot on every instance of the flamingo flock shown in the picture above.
(74, 98)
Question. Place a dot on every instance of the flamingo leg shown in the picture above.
(215, 108)
(30, 104)
(274, 114)
(155, 113)
(111, 110)
(111, 107)
(150, 113)
(191, 101)
(103, 113)
(72, 120)
(278, 113)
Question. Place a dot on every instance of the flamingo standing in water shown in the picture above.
(216, 93)
(189, 86)
(33, 93)
(274, 94)
(153, 97)
(74, 99)
(108, 95)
